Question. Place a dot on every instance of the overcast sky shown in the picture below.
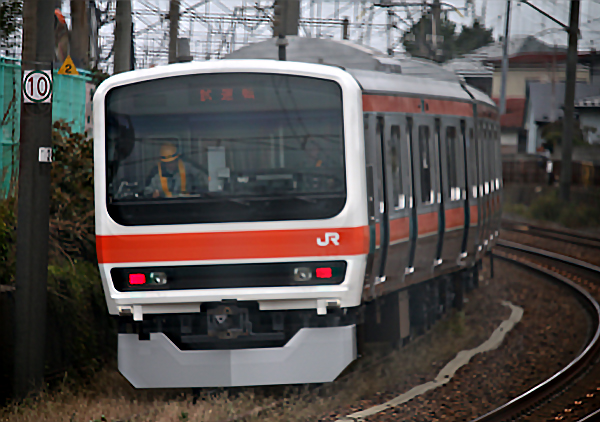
(524, 21)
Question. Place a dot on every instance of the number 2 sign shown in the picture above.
(37, 86)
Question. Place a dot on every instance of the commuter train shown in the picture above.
(257, 220)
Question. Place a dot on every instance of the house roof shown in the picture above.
(522, 49)
(588, 102)
(471, 65)
(515, 110)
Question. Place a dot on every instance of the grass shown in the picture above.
(547, 206)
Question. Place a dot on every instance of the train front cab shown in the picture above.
(207, 298)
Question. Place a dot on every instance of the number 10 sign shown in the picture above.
(37, 86)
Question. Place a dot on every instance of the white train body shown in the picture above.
(264, 299)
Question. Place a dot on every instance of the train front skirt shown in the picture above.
(313, 355)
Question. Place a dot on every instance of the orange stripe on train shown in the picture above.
(231, 245)
(389, 103)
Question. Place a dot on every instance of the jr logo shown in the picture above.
(333, 237)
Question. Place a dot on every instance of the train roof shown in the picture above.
(375, 71)
(343, 54)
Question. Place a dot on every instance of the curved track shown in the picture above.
(553, 398)
(569, 236)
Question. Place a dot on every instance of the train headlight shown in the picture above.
(302, 274)
(158, 278)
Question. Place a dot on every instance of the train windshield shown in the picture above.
(224, 147)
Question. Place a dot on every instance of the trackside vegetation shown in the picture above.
(80, 335)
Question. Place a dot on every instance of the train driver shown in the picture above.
(319, 161)
(172, 176)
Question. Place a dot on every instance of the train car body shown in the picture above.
(251, 214)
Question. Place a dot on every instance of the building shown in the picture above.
(544, 104)
(588, 109)
(530, 60)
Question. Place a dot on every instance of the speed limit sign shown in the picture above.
(37, 86)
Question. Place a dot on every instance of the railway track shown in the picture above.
(572, 394)
(568, 236)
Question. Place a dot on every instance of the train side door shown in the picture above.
(472, 191)
(497, 178)
(374, 196)
(453, 185)
(479, 187)
(425, 194)
(399, 196)
(484, 184)
(377, 206)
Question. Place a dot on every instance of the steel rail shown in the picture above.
(560, 235)
(591, 417)
(541, 392)
(547, 254)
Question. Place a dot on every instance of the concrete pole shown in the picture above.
(173, 29)
(435, 27)
(122, 48)
(34, 206)
(505, 60)
(569, 106)
(80, 33)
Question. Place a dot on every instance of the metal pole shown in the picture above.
(122, 36)
(388, 32)
(34, 205)
(569, 106)
(505, 60)
(282, 44)
(173, 29)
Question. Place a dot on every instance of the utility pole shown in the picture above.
(122, 48)
(569, 106)
(173, 29)
(505, 60)
(80, 33)
(34, 204)
(435, 27)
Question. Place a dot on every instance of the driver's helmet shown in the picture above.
(168, 152)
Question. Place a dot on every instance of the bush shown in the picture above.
(8, 241)
(549, 207)
(80, 331)
(72, 199)
(579, 215)
(546, 207)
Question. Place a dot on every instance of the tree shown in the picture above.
(552, 134)
(11, 12)
(472, 38)
(418, 43)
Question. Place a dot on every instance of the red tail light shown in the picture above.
(323, 273)
(137, 279)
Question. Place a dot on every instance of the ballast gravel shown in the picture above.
(551, 333)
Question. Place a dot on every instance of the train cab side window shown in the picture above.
(453, 189)
(425, 165)
(396, 162)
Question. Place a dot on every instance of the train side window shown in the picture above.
(399, 198)
(425, 165)
(475, 161)
(454, 190)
